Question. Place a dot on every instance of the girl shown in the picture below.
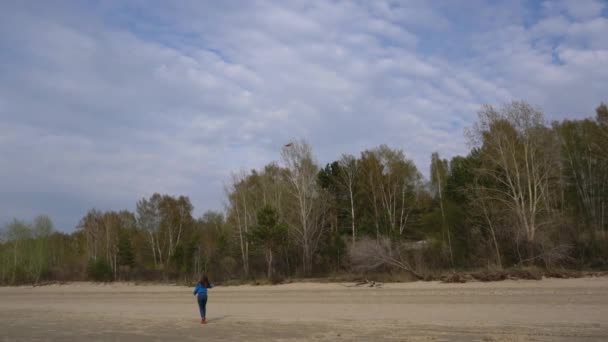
(201, 292)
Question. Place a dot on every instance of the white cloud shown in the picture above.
(579, 9)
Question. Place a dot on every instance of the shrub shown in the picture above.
(99, 270)
(372, 255)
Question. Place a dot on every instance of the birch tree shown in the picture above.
(347, 178)
(176, 220)
(439, 174)
(486, 209)
(308, 199)
(39, 252)
(149, 222)
(394, 184)
(239, 213)
(519, 159)
(92, 226)
(18, 232)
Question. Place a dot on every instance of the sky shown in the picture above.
(105, 102)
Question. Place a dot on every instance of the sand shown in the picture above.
(547, 310)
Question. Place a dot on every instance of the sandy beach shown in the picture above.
(547, 310)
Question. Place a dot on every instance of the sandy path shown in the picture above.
(548, 310)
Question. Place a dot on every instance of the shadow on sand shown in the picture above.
(217, 319)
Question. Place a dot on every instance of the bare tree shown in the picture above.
(394, 183)
(42, 229)
(149, 220)
(176, 217)
(348, 179)
(237, 197)
(91, 225)
(301, 175)
(519, 160)
(17, 233)
(482, 203)
(370, 255)
(111, 224)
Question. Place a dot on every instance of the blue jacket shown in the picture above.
(200, 289)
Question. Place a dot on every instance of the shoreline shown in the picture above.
(314, 283)
(457, 277)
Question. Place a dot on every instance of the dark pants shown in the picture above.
(202, 304)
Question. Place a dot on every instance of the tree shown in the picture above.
(176, 218)
(215, 221)
(309, 200)
(238, 211)
(439, 175)
(584, 183)
(247, 194)
(110, 222)
(270, 234)
(165, 219)
(92, 227)
(371, 171)
(99, 270)
(393, 183)
(519, 162)
(602, 115)
(348, 179)
(18, 232)
(487, 210)
(327, 179)
(39, 253)
(126, 257)
(211, 242)
(465, 218)
(585, 170)
(149, 221)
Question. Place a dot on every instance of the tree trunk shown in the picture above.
(444, 222)
(352, 213)
(498, 258)
(242, 238)
(15, 262)
(269, 261)
(153, 249)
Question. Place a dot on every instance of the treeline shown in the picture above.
(528, 193)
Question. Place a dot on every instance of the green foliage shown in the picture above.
(100, 270)
(24, 256)
(334, 252)
(602, 115)
(126, 256)
(269, 232)
(462, 177)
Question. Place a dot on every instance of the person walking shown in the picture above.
(200, 291)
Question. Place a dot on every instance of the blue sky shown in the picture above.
(104, 102)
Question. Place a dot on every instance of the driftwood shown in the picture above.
(366, 283)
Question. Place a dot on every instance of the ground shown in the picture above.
(547, 310)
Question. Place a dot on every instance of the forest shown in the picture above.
(530, 193)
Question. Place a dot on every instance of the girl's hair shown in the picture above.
(204, 281)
